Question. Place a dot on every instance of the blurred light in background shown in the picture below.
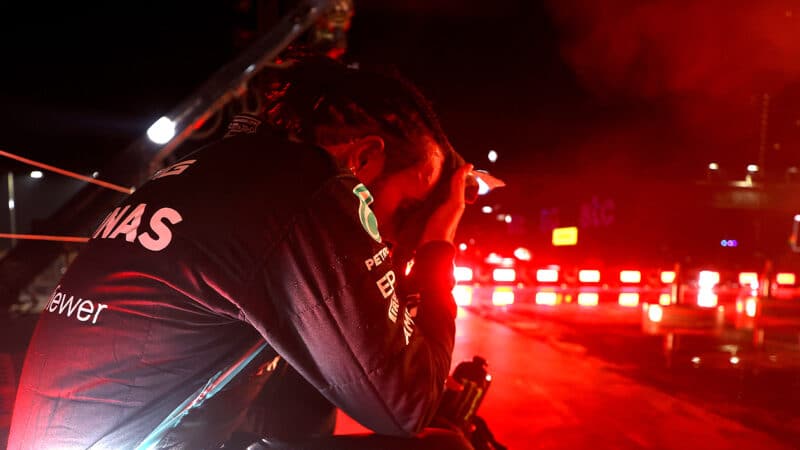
(629, 299)
(589, 276)
(522, 254)
(706, 298)
(752, 168)
(487, 209)
(492, 156)
(707, 279)
(462, 274)
(546, 298)
(588, 298)
(665, 299)
(462, 295)
(502, 296)
(161, 131)
(504, 274)
(667, 276)
(630, 276)
(508, 218)
(547, 276)
(713, 166)
(37, 174)
(655, 313)
(751, 307)
(785, 279)
(462, 246)
(494, 258)
(734, 360)
(565, 236)
(748, 279)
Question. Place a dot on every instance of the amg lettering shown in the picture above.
(157, 238)
(65, 304)
(408, 326)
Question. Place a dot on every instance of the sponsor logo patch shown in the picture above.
(365, 214)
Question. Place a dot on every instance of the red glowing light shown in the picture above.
(667, 276)
(589, 276)
(785, 279)
(630, 276)
(547, 275)
(462, 295)
(462, 274)
(504, 274)
(502, 296)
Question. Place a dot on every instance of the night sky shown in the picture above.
(563, 88)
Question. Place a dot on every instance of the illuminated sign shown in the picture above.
(565, 236)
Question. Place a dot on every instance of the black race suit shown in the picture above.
(251, 253)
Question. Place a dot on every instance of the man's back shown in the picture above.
(148, 324)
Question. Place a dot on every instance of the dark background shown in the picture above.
(569, 93)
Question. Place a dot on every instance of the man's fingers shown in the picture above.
(459, 182)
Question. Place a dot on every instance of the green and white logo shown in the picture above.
(365, 214)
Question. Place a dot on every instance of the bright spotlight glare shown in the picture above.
(37, 174)
(488, 210)
(752, 168)
(492, 156)
(713, 166)
(655, 313)
(161, 131)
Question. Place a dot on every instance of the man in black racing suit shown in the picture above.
(253, 269)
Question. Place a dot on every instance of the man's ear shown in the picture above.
(367, 158)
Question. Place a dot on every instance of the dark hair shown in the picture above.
(323, 101)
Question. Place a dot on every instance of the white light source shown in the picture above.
(462, 246)
(797, 217)
(655, 313)
(522, 254)
(483, 188)
(508, 218)
(492, 156)
(161, 131)
(713, 166)
(488, 210)
(752, 168)
(36, 174)
(735, 360)
(95, 174)
(11, 204)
